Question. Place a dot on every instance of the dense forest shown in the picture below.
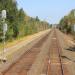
(67, 22)
(19, 23)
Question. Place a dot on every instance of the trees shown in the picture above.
(19, 23)
(67, 22)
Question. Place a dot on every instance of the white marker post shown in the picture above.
(74, 27)
(4, 32)
(74, 24)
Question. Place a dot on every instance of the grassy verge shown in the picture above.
(1, 46)
(11, 43)
(16, 41)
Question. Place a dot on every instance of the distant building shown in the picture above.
(14, 1)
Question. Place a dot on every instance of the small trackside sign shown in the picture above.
(74, 27)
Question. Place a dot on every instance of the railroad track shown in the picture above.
(54, 64)
(23, 65)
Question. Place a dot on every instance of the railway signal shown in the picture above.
(4, 28)
(3, 17)
(3, 14)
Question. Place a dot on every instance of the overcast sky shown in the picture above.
(50, 10)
